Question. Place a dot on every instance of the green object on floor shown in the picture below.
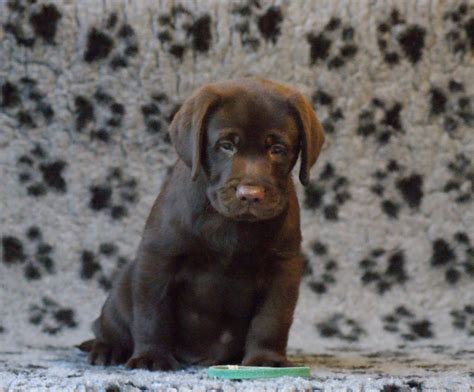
(234, 372)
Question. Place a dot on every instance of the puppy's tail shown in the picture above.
(86, 346)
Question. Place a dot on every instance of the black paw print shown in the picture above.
(33, 252)
(157, 115)
(320, 286)
(27, 22)
(454, 258)
(100, 116)
(463, 319)
(454, 105)
(409, 187)
(114, 194)
(51, 316)
(323, 48)
(404, 322)
(329, 192)
(460, 26)
(329, 112)
(254, 22)
(461, 183)
(340, 327)
(383, 278)
(380, 120)
(396, 37)
(116, 40)
(23, 101)
(103, 265)
(181, 30)
(2, 329)
(40, 174)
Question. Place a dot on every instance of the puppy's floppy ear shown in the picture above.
(311, 133)
(188, 127)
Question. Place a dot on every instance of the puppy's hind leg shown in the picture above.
(103, 354)
(112, 345)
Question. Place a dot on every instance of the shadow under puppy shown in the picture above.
(217, 272)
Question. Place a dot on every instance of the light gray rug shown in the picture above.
(423, 369)
(87, 90)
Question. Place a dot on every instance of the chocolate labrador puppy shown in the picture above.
(216, 275)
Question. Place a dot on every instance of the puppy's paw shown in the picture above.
(153, 360)
(103, 354)
(266, 358)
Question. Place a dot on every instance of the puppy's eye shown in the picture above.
(227, 146)
(278, 149)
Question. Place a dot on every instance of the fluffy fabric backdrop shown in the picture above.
(88, 89)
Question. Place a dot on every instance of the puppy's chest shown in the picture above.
(231, 242)
(214, 287)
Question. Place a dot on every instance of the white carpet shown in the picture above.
(420, 369)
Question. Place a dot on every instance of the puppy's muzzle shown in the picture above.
(250, 194)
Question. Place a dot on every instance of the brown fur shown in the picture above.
(215, 279)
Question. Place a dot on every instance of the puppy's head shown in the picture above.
(244, 137)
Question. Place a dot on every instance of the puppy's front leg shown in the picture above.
(268, 333)
(152, 326)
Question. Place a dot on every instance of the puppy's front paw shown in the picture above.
(153, 360)
(266, 358)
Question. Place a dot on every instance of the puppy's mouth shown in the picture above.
(225, 203)
(247, 217)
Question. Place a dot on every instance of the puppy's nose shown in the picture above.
(250, 193)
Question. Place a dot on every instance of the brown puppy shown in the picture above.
(217, 272)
